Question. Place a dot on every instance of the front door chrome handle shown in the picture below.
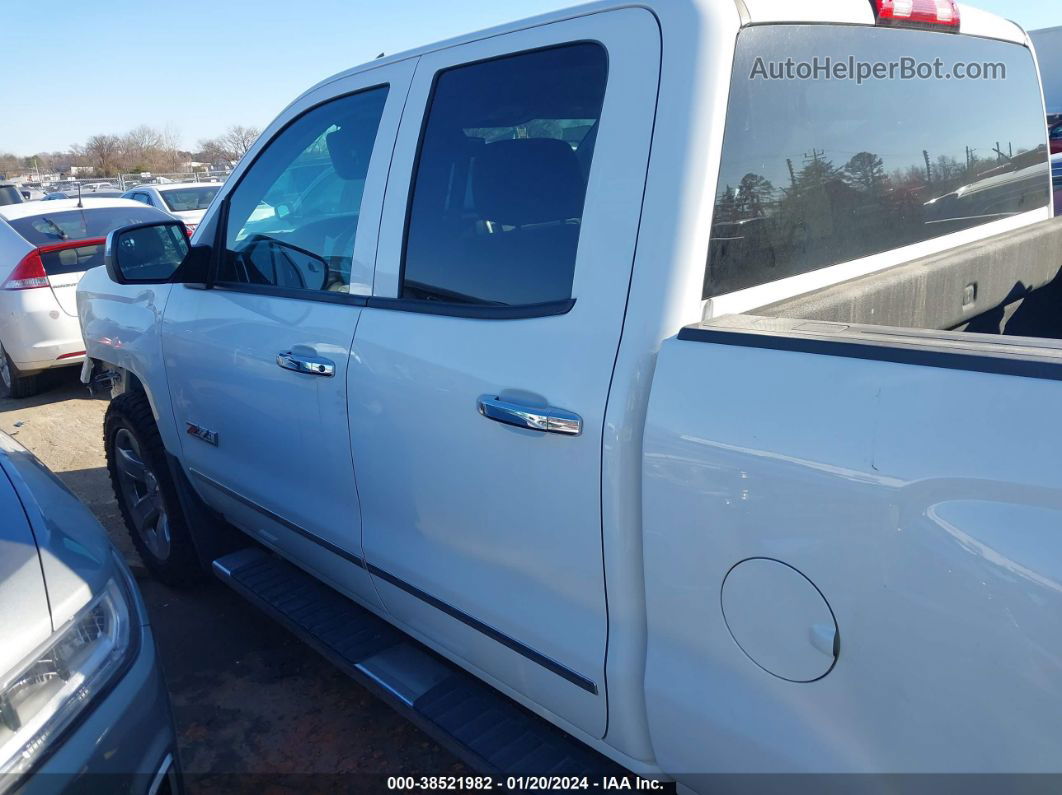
(545, 419)
(310, 364)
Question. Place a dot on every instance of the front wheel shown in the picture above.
(145, 492)
(14, 384)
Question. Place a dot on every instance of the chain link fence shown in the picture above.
(126, 181)
(119, 184)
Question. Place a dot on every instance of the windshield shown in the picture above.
(185, 199)
(87, 223)
(9, 195)
(821, 170)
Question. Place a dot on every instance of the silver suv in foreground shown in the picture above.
(82, 699)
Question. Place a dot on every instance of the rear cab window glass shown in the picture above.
(72, 260)
(293, 219)
(87, 223)
(182, 200)
(9, 195)
(501, 178)
(816, 172)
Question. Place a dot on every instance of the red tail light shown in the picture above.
(934, 14)
(190, 229)
(29, 273)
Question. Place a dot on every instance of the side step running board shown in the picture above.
(488, 731)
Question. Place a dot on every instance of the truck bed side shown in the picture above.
(977, 287)
(911, 482)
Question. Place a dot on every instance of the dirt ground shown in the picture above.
(256, 709)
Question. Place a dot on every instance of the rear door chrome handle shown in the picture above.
(545, 419)
(305, 363)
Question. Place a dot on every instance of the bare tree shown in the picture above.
(8, 164)
(866, 172)
(43, 161)
(231, 145)
(170, 145)
(213, 150)
(141, 148)
(102, 152)
(238, 139)
(145, 147)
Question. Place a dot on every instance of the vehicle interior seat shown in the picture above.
(529, 194)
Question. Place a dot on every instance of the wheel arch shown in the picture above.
(102, 376)
(209, 534)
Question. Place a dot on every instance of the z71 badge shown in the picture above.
(199, 432)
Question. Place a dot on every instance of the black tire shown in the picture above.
(13, 384)
(145, 492)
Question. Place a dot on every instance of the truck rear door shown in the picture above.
(481, 366)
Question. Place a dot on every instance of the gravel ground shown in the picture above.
(256, 709)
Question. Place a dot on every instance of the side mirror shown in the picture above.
(149, 253)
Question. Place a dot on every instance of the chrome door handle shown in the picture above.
(308, 364)
(545, 419)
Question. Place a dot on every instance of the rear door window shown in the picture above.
(501, 178)
(820, 171)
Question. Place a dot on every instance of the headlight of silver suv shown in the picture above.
(45, 693)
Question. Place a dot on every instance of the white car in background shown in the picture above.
(187, 201)
(45, 249)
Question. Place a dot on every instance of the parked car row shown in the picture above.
(98, 194)
(51, 244)
(187, 201)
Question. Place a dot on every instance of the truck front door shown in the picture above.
(257, 364)
(481, 367)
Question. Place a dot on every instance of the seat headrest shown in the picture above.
(344, 148)
(527, 181)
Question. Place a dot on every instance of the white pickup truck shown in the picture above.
(633, 360)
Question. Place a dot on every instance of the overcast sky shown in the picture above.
(201, 65)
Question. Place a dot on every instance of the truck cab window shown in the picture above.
(501, 178)
(824, 171)
(293, 218)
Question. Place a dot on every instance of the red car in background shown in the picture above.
(1055, 135)
(1056, 176)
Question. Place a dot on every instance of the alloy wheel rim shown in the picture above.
(142, 496)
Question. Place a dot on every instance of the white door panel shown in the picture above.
(485, 537)
(280, 468)
(267, 445)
